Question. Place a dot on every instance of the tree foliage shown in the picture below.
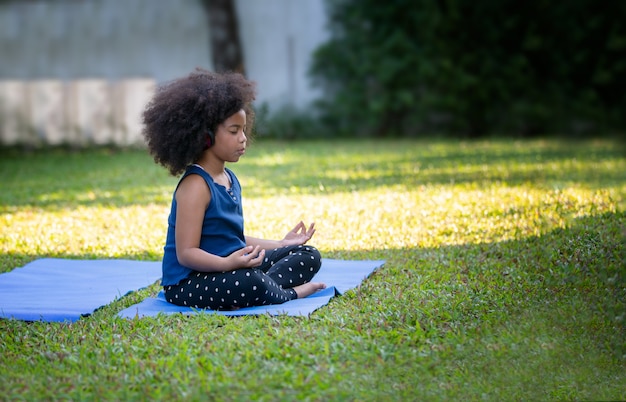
(473, 67)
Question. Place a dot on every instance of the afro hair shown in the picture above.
(181, 113)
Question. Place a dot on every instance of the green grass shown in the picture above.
(504, 277)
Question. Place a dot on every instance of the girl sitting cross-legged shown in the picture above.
(194, 126)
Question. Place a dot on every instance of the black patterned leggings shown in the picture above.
(269, 283)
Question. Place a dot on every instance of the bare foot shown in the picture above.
(308, 289)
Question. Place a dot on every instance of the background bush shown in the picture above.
(288, 123)
(410, 67)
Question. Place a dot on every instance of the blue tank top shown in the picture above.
(222, 228)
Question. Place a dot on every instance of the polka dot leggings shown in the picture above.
(269, 283)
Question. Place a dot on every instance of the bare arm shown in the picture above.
(300, 234)
(192, 198)
(264, 244)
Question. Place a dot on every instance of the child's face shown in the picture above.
(230, 138)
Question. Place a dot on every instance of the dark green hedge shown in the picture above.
(474, 68)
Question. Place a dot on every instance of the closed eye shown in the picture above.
(235, 129)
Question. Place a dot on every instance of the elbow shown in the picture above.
(185, 258)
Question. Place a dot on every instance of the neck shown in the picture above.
(211, 165)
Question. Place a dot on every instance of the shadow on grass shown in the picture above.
(56, 179)
(573, 276)
(410, 164)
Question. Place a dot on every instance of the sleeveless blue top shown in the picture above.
(222, 228)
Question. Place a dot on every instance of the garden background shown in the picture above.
(478, 149)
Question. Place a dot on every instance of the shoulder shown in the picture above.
(197, 175)
(193, 187)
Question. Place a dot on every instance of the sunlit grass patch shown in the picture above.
(95, 231)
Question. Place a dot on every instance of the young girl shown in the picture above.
(194, 125)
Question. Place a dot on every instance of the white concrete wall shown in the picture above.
(79, 112)
(112, 39)
(61, 60)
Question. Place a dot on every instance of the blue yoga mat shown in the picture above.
(338, 275)
(53, 289)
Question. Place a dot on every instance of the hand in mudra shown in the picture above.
(247, 257)
(299, 235)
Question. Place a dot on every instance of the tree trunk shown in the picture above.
(225, 44)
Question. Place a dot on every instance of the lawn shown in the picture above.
(504, 278)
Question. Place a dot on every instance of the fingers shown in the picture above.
(304, 233)
(311, 230)
(256, 261)
(300, 228)
(251, 256)
(247, 251)
(255, 257)
(300, 234)
(250, 251)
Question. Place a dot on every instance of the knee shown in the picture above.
(314, 254)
